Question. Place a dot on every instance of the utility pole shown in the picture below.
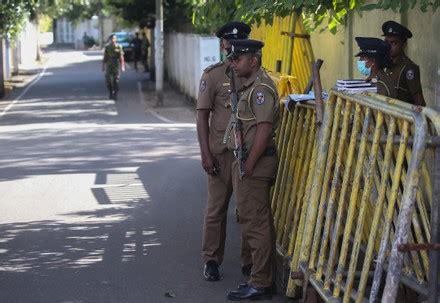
(158, 52)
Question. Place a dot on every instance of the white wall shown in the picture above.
(65, 32)
(186, 56)
(27, 44)
(90, 27)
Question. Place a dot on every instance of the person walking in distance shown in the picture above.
(113, 60)
(137, 50)
(144, 51)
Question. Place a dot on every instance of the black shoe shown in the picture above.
(115, 95)
(246, 270)
(110, 95)
(211, 272)
(250, 293)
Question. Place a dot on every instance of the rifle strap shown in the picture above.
(272, 91)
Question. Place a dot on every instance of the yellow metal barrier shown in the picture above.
(365, 196)
(350, 191)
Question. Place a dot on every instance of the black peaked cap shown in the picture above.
(233, 30)
(392, 28)
(243, 46)
(372, 47)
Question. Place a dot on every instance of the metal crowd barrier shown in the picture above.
(349, 193)
(352, 194)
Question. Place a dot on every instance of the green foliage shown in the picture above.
(12, 15)
(45, 24)
(88, 41)
(143, 12)
(207, 15)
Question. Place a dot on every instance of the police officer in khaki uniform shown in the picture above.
(258, 110)
(373, 59)
(404, 74)
(213, 115)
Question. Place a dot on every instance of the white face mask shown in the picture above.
(362, 68)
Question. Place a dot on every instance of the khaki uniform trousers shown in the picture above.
(253, 204)
(214, 225)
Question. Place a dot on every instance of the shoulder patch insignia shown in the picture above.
(202, 85)
(410, 74)
(260, 98)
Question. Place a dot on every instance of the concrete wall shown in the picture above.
(90, 27)
(338, 50)
(186, 56)
(27, 44)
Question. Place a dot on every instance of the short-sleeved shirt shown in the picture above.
(112, 54)
(400, 81)
(258, 103)
(214, 95)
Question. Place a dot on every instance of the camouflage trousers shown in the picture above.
(112, 79)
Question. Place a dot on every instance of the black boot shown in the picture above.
(249, 292)
(211, 272)
(110, 95)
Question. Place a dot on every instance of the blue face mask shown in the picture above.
(366, 71)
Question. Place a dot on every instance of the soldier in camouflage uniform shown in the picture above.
(113, 57)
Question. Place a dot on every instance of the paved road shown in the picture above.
(102, 201)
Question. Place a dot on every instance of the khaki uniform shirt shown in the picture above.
(258, 103)
(214, 95)
(400, 81)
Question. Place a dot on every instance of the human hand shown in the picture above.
(248, 169)
(209, 164)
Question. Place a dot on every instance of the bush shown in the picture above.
(88, 41)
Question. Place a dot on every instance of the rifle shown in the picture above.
(235, 126)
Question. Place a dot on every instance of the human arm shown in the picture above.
(418, 99)
(412, 75)
(259, 145)
(202, 124)
(104, 60)
(121, 59)
(265, 107)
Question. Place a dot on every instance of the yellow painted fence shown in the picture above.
(350, 191)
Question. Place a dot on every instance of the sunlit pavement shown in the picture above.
(101, 201)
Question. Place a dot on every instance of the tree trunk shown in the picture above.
(101, 25)
(2, 78)
(158, 29)
(54, 30)
(37, 24)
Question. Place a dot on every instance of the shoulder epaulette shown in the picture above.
(212, 66)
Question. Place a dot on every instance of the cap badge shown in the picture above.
(390, 30)
(260, 98)
(235, 30)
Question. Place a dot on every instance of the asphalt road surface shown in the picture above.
(102, 201)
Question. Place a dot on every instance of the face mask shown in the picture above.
(366, 71)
